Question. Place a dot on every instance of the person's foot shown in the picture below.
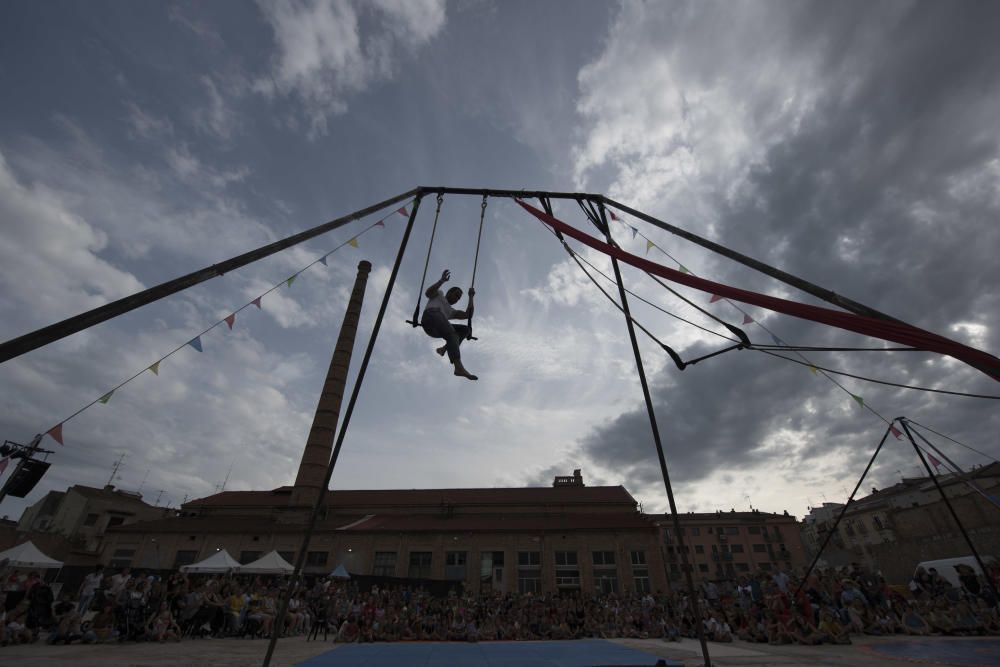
(441, 350)
(461, 372)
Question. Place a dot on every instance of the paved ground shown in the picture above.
(250, 653)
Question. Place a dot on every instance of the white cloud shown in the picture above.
(323, 57)
(50, 263)
(216, 118)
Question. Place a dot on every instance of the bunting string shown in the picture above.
(56, 432)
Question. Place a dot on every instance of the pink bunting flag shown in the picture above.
(231, 320)
(256, 302)
(56, 433)
(747, 319)
(402, 212)
(934, 461)
(614, 217)
(3, 464)
(715, 297)
(896, 432)
(379, 224)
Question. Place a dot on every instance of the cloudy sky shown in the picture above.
(853, 144)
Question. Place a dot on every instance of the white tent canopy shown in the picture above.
(28, 555)
(270, 563)
(219, 562)
(340, 573)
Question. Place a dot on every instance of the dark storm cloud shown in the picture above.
(888, 192)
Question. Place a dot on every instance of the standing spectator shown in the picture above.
(89, 588)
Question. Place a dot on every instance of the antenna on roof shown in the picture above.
(144, 478)
(115, 468)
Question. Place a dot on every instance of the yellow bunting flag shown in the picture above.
(813, 370)
(649, 244)
(353, 243)
(155, 368)
(107, 397)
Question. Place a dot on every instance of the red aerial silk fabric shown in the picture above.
(896, 332)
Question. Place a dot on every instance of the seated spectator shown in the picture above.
(832, 631)
(17, 630)
(66, 627)
(102, 627)
(914, 623)
(162, 626)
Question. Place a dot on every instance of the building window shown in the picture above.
(289, 556)
(529, 572)
(316, 558)
(702, 567)
(753, 530)
(490, 570)
(529, 559)
(715, 548)
(670, 551)
(420, 565)
(248, 557)
(759, 548)
(454, 565)
(385, 564)
(90, 520)
(566, 559)
(116, 521)
(877, 522)
(184, 558)
(737, 548)
(733, 530)
(765, 566)
(699, 548)
(640, 572)
(121, 558)
(709, 530)
(567, 574)
(742, 567)
(604, 558)
(695, 531)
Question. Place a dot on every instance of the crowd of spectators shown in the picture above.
(831, 606)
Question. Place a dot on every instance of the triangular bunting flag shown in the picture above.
(155, 368)
(256, 302)
(107, 397)
(379, 224)
(649, 244)
(934, 461)
(634, 231)
(323, 260)
(195, 343)
(56, 433)
(231, 320)
(715, 297)
(353, 242)
(813, 370)
(860, 400)
(291, 279)
(684, 269)
(747, 319)
(3, 464)
(613, 216)
(895, 431)
(402, 212)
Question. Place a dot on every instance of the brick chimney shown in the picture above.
(319, 445)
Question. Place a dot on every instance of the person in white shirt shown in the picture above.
(436, 321)
(88, 588)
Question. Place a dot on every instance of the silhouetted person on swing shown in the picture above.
(435, 321)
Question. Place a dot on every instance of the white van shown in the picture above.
(946, 567)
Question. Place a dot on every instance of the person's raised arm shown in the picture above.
(433, 289)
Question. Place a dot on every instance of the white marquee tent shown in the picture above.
(219, 562)
(270, 563)
(27, 555)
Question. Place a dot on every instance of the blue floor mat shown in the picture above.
(967, 653)
(580, 653)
